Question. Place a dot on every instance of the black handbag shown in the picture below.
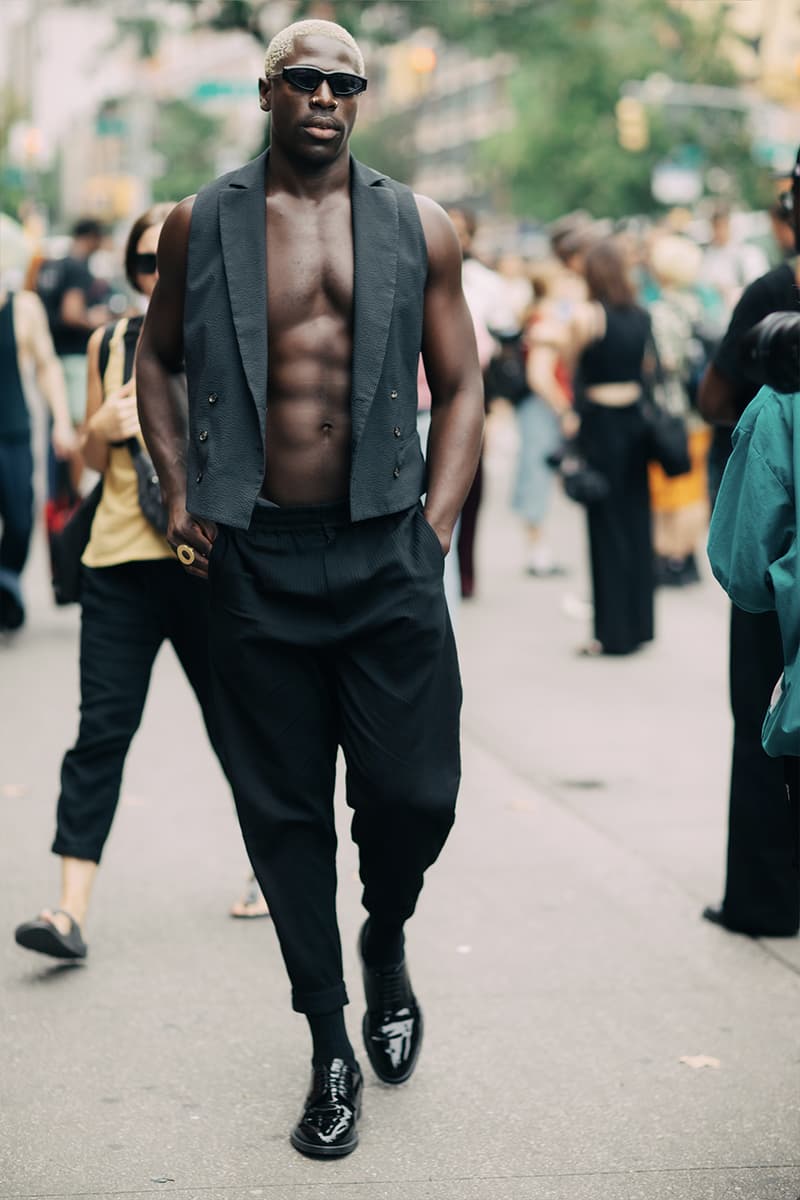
(505, 375)
(582, 483)
(148, 487)
(67, 547)
(666, 438)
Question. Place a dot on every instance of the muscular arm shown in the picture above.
(451, 365)
(161, 386)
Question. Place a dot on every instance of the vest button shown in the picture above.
(393, 395)
(203, 435)
(199, 477)
(213, 398)
(396, 472)
(396, 431)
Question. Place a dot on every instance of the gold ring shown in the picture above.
(185, 554)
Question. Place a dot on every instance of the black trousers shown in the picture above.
(16, 510)
(620, 547)
(324, 634)
(762, 890)
(126, 613)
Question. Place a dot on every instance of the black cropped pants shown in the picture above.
(127, 612)
(325, 634)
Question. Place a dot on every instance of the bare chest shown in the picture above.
(309, 265)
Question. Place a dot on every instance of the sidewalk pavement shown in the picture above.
(558, 950)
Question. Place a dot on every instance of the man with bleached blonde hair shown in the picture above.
(283, 44)
(299, 291)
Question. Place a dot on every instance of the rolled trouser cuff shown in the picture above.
(314, 1003)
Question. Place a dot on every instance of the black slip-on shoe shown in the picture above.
(46, 938)
(392, 1025)
(717, 916)
(328, 1125)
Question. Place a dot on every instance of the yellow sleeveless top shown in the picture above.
(120, 531)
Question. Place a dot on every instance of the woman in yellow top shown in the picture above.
(134, 596)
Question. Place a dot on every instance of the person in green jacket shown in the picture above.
(752, 548)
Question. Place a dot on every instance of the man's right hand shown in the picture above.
(198, 535)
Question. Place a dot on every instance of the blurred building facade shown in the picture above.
(87, 100)
(449, 101)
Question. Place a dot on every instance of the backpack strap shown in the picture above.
(105, 348)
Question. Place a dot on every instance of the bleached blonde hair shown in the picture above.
(283, 43)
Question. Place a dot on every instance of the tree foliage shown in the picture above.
(185, 140)
(573, 57)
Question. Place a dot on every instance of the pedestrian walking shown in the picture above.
(75, 302)
(25, 348)
(294, 488)
(606, 337)
(544, 417)
(134, 596)
(680, 505)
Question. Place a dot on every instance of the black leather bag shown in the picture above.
(67, 547)
(582, 483)
(666, 436)
(667, 440)
(148, 487)
(505, 375)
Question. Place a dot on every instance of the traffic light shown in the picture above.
(632, 130)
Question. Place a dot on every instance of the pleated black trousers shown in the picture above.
(620, 545)
(325, 634)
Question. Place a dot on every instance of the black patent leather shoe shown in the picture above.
(327, 1127)
(392, 1025)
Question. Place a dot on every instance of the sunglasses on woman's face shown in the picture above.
(308, 79)
(144, 264)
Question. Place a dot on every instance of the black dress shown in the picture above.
(613, 440)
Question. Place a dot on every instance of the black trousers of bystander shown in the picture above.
(762, 893)
(127, 611)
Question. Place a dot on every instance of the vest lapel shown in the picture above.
(242, 224)
(375, 242)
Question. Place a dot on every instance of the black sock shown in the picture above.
(383, 944)
(330, 1038)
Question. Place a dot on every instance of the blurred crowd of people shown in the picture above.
(609, 318)
(613, 328)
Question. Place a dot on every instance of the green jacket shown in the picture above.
(752, 543)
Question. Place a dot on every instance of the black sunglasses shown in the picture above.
(308, 79)
(144, 264)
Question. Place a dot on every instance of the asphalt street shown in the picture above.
(558, 951)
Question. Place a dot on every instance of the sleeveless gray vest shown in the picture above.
(225, 340)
